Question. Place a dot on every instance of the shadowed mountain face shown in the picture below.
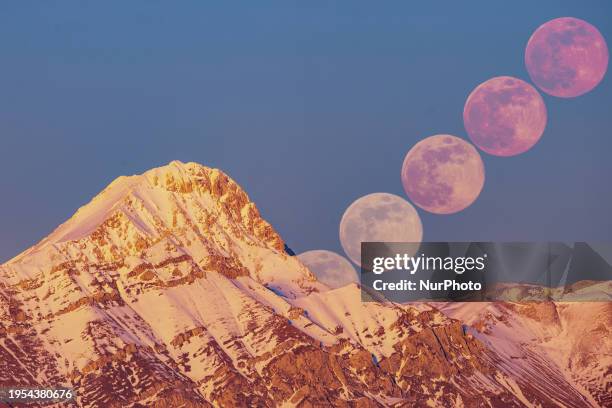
(169, 289)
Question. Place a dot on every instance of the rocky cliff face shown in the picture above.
(169, 289)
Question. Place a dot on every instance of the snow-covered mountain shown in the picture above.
(168, 289)
(564, 339)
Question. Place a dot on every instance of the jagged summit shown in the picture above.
(185, 211)
(163, 200)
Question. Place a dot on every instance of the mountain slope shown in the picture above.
(169, 289)
(570, 338)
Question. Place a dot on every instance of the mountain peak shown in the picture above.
(163, 202)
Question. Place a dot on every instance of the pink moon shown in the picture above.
(378, 217)
(566, 57)
(504, 116)
(443, 174)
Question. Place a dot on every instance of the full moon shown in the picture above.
(504, 116)
(566, 57)
(378, 217)
(443, 174)
(330, 268)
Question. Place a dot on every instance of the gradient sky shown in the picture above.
(308, 105)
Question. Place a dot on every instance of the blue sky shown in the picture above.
(308, 105)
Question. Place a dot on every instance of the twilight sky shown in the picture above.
(307, 105)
